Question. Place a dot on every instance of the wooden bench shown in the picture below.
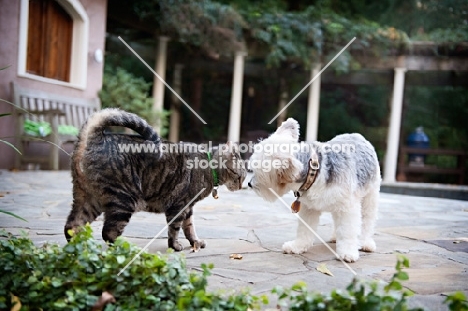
(405, 167)
(58, 110)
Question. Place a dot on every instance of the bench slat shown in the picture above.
(450, 152)
(66, 110)
(435, 170)
(404, 167)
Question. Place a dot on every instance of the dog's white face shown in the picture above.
(273, 163)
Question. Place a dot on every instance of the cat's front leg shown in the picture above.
(189, 231)
(173, 233)
(173, 230)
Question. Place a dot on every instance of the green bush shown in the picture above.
(75, 276)
(359, 295)
(121, 89)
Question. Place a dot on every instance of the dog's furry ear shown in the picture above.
(291, 127)
(289, 171)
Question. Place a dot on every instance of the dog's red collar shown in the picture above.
(312, 173)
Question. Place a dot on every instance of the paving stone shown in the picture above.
(274, 237)
(157, 245)
(250, 277)
(423, 229)
(316, 281)
(430, 274)
(271, 262)
(227, 247)
(451, 245)
(225, 285)
(428, 302)
(319, 252)
(414, 232)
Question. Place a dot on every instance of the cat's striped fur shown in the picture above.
(122, 183)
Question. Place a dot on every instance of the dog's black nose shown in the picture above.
(250, 185)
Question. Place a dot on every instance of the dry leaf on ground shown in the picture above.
(236, 256)
(323, 269)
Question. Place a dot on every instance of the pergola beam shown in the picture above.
(415, 63)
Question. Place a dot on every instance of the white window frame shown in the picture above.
(79, 49)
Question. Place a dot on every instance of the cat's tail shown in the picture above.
(98, 121)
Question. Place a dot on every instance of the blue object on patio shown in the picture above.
(417, 139)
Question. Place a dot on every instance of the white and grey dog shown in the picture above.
(341, 176)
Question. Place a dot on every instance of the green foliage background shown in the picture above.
(286, 37)
(121, 89)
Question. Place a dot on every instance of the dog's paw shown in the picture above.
(348, 253)
(295, 247)
(350, 256)
(368, 246)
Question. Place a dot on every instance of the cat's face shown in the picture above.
(233, 172)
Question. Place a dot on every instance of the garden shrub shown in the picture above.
(75, 277)
(121, 89)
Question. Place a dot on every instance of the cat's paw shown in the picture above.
(176, 246)
(197, 245)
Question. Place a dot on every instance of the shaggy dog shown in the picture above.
(341, 176)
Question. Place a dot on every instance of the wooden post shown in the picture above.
(282, 102)
(393, 137)
(313, 105)
(236, 98)
(158, 86)
(175, 105)
(54, 152)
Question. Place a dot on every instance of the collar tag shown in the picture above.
(296, 206)
(214, 193)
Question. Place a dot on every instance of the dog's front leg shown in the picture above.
(305, 236)
(348, 228)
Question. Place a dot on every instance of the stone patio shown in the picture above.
(431, 232)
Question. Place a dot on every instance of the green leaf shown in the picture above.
(402, 276)
(69, 248)
(120, 259)
(12, 214)
(394, 285)
(56, 283)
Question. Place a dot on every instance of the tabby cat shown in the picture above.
(105, 179)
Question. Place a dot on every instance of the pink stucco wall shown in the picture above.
(9, 38)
